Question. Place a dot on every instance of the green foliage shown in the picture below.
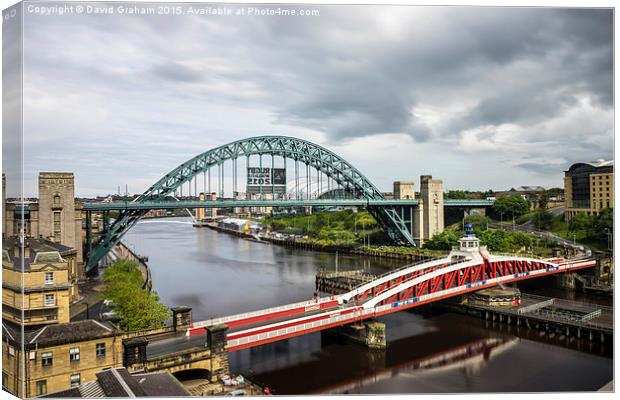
(543, 200)
(505, 241)
(478, 222)
(582, 222)
(542, 219)
(514, 205)
(137, 307)
(443, 241)
(456, 194)
(604, 224)
(347, 226)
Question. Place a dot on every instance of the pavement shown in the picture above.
(90, 297)
(173, 343)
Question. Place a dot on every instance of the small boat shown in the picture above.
(255, 238)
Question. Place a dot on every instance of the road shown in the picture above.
(530, 230)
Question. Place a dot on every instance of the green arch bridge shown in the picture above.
(400, 219)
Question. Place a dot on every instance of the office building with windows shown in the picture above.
(588, 188)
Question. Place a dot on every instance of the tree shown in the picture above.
(456, 194)
(604, 225)
(582, 222)
(542, 219)
(514, 205)
(543, 200)
(137, 307)
(478, 222)
(443, 241)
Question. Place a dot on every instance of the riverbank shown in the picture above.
(393, 252)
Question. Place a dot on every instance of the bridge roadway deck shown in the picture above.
(277, 327)
(271, 321)
(173, 343)
(224, 203)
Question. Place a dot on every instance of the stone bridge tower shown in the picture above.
(429, 218)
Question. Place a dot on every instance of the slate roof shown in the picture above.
(118, 382)
(69, 332)
(35, 245)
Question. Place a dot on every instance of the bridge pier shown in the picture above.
(367, 333)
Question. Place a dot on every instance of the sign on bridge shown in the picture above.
(269, 179)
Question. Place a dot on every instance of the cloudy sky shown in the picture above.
(479, 97)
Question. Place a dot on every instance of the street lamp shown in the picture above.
(609, 239)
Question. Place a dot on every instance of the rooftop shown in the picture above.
(46, 250)
(58, 333)
(117, 382)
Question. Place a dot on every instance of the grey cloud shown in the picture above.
(353, 72)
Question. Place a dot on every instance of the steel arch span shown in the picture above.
(310, 154)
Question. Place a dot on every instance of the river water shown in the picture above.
(219, 274)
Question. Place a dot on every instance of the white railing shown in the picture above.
(250, 314)
(534, 307)
(299, 328)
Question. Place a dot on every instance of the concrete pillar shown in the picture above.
(418, 223)
(431, 193)
(404, 190)
(200, 212)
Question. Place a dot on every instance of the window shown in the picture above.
(75, 380)
(74, 354)
(56, 200)
(49, 278)
(57, 226)
(100, 349)
(41, 387)
(5, 380)
(46, 359)
(50, 300)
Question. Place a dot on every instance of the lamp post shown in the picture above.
(609, 239)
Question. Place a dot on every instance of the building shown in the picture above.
(117, 382)
(404, 190)
(588, 188)
(48, 273)
(527, 192)
(55, 215)
(56, 357)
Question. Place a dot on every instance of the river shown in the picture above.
(219, 274)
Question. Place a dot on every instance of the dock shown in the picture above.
(593, 322)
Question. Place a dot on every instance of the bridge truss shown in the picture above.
(407, 287)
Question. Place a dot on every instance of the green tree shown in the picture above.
(542, 219)
(514, 205)
(456, 194)
(137, 307)
(582, 222)
(604, 225)
(442, 241)
(543, 201)
(478, 222)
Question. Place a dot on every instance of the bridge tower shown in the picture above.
(430, 211)
(200, 212)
